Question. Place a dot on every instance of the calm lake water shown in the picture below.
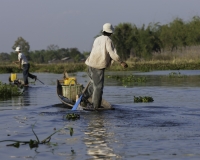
(168, 128)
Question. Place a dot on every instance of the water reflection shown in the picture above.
(23, 100)
(96, 138)
(16, 102)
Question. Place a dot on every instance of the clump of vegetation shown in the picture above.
(35, 143)
(129, 78)
(8, 90)
(176, 75)
(143, 99)
(144, 66)
(72, 116)
(58, 67)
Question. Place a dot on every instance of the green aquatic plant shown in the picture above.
(37, 142)
(176, 75)
(9, 90)
(128, 78)
(143, 99)
(72, 116)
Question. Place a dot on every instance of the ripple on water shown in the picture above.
(168, 128)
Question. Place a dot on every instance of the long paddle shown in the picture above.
(39, 81)
(79, 100)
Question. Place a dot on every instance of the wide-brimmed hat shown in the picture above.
(107, 27)
(18, 49)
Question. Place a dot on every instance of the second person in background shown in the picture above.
(23, 63)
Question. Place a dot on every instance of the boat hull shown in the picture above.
(69, 103)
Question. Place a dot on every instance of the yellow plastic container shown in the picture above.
(70, 80)
(13, 76)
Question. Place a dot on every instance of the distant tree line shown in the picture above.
(130, 41)
(52, 54)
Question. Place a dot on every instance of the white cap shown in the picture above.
(107, 27)
(18, 49)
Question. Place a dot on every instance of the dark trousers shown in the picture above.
(95, 89)
(26, 73)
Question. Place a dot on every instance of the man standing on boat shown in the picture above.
(101, 57)
(22, 60)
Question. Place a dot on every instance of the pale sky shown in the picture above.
(75, 23)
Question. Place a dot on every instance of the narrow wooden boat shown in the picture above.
(69, 103)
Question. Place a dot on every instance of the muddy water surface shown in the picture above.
(168, 128)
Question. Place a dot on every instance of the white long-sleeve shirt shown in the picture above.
(23, 57)
(103, 53)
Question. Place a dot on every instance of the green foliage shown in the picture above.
(52, 55)
(56, 56)
(16, 145)
(193, 31)
(20, 42)
(127, 78)
(139, 42)
(7, 68)
(35, 143)
(131, 40)
(13, 56)
(4, 57)
(25, 47)
(123, 39)
(143, 99)
(176, 75)
(8, 90)
(86, 54)
(147, 40)
(160, 65)
(144, 66)
(58, 68)
(72, 116)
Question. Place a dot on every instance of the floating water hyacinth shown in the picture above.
(143, 99)
(8, 90)
(176, 75)
(72, 116)
(129, 78)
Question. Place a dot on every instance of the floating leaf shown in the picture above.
(17, 144)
